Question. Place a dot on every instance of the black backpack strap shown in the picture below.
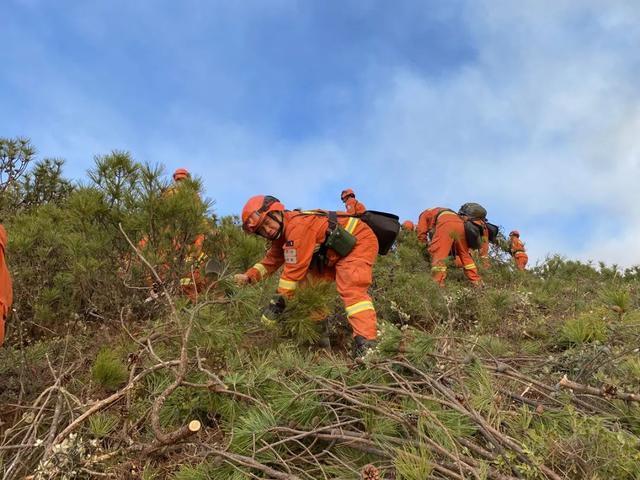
(333, 221)
(319, 259)
(440, 213)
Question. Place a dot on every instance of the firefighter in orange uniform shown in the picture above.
(517, 250)
(408, 226)
(297, 239)
(352, 206)
(446, 230)
(466, 214)
(192, 282)
(6, 289)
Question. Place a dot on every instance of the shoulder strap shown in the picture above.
(441, 212)
(333, 220)
(324, 213)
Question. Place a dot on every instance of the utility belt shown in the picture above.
(337, 238)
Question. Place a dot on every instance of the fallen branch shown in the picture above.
(607, 391)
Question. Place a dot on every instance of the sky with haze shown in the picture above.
(529, 107)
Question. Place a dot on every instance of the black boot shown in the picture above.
(362, 346)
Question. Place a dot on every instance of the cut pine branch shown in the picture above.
(606, 391)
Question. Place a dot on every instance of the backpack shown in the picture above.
(473, 233)
(493, 232)
(385, 226)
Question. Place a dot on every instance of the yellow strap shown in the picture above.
(351, 224)
(186, 281)
(446, 212)
(287, 284)
(261, 268)
(438, 268)
(470, 266)
(359, 307)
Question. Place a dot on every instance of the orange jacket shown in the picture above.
(6, 289)
(302, 236)
(516, 245)
(354, 207)
(427, 221)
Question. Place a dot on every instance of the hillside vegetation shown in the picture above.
(535, 376)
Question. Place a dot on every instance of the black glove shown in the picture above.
(272, 311)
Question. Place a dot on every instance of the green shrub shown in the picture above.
(492, 345)
(313, 303)
(618, 298)
(420, 346)
(193, 472)
(631, 370)
(413, 463)
(108, 369)
(102, 424)
(585, 328)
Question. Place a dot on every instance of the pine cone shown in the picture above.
(370, 472)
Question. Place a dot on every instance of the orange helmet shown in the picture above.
(181, 174)
(346, 193)
(515, 233)
(256, 209)
(408, 225)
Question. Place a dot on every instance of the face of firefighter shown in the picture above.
(272, 226)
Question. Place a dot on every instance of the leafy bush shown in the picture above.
(102, 424)
(108, 369)
(585, 328)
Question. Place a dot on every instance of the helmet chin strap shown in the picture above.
(280, 221)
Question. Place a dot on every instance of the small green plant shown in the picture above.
(375, 424)
(631, 369)
(150, 473)
(413, 463)
(585, 328)
(420, 347)
(500, 300)
(102, 424)
(495, 346)
(310, 305)
(251, 428)
(617, 298)
(108, 369)
(192, 472)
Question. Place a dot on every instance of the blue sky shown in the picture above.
(531, 108)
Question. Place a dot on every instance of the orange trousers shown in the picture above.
(6, 286)
(484, 252)
(193, 284)
(449, 234)
(353, 275)
(521, 260)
